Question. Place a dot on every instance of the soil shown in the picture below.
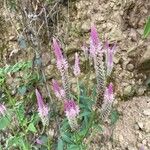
(121, 22)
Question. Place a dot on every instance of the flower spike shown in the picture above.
(62, 66)
(42, 108)
(109, 58)
(108, 100)
(71, 111)
(59, 92)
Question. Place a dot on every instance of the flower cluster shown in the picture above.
(42, 108)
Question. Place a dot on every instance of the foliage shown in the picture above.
(147, 28)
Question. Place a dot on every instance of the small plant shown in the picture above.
(81, 115)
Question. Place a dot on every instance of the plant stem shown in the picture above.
(78, 90)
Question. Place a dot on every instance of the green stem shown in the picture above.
(78, 90)
(89, 125)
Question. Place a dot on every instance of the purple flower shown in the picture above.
(59, 92)
(38, 141)
(42, 108)
(95, 45)
(110, 51)
(2, 109)
(61, 61)
(71, 111)
(76, 66)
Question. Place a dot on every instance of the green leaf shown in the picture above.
(147, 28)
(114, 116)
(22, 90)
(86, 113)
(20, 112)
(15, 141)
(31, 127)
(60, 144)
(73, 147)
(4, 122)
(66, 137)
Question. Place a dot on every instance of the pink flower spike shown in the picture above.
(71, 109)
(2, 109)
(94, 36)
(42, 108)
(61, 61)
(95, 45)
(109, 58)
(57, 50)
(76, 66)
(108, 95)
(56, 88)
(59, 92)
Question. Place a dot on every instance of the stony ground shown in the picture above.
(121, 22)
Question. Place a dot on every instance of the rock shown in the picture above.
(46, 58)
(133, 34)
(146, 112)
(86, 26)
(128, 91)
(141, 91)
(147, 126)
(130, 67)
(140, 124)
(145, 60)
(117, 59)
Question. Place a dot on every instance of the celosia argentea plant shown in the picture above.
(84, 111)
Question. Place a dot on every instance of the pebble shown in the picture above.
(133, 34)
(141, 91)
(147, 126)
(86, 26)
(128, 90)
(130, 67)
(140, 124)
(146, 112)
